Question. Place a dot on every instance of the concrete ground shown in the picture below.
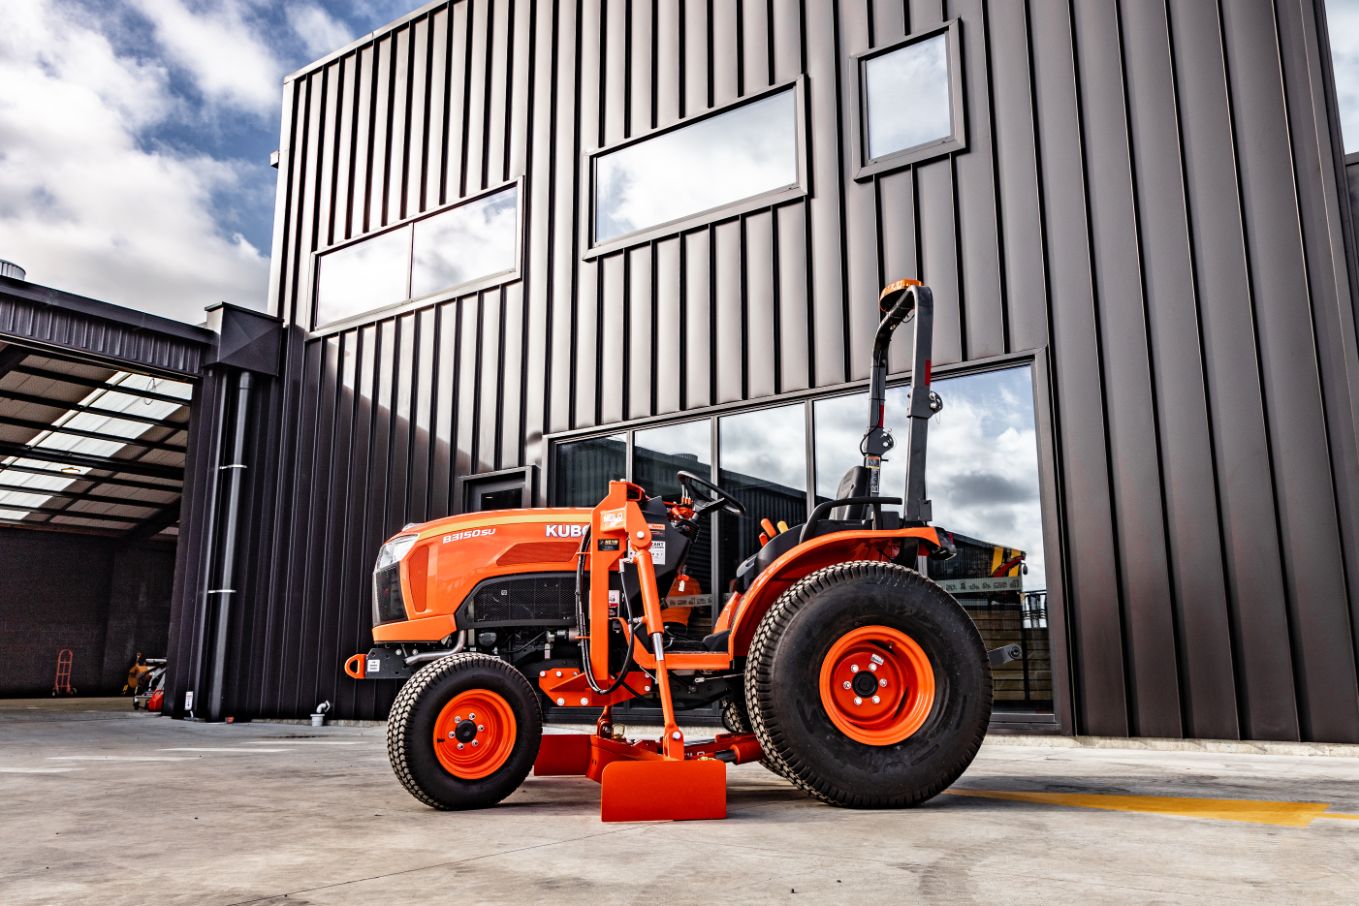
(98, 805)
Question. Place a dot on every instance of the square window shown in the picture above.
(910, 101)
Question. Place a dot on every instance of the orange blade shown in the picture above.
(663, 790)
(563, 754)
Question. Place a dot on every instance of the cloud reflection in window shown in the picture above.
(714, 162)
(982, 468)
(363, 276)
(1342, 22)
(474, 240)
(908, 97)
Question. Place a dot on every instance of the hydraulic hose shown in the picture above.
(581, 626)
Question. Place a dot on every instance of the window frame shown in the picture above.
(410, 303)
(865, 167)
(799, 189)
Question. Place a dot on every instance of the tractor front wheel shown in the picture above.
(464, 731)
(868, 686)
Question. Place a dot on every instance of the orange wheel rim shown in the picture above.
(474, 734)
(877, 685)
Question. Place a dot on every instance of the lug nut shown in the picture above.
(584, 700)
(560, 702)
(480, 728)
(858, 701)
(475, 743)
(853, 668)
(471, 717)
(873, 667)
(846, 684)
(559, 673)
(460, 746)
(452, 735)
(882, 682)
(876, 700)
(457, 720)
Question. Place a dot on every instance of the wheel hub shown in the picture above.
(877, 685)
(474, 734)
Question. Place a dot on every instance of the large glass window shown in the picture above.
(475, 240)
(363, 276)
(583, 469)
(749, 150)
(1342, 21)
(909, 101)
(472, 241)
(661, 452)
(763, 458)
(982, 474)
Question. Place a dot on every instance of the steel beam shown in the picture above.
(133, 467)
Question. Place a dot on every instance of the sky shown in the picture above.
(135, 138)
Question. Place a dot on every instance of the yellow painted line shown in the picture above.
(1251, 811)
(1340, 816)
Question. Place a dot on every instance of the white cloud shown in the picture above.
(84, 205)
(320, 32)
(228, 59)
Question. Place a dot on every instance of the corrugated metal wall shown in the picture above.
(1148, 202)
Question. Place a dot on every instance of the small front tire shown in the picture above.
(464, 732)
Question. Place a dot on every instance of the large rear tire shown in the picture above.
(464, 731)
(868, 686)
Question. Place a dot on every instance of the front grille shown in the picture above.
(387, 604)
(542, 600)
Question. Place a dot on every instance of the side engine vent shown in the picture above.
(546, 599)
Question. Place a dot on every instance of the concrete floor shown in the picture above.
(103, 806)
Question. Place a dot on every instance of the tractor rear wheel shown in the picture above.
(868, 686)
(736, 719)
(464, 732)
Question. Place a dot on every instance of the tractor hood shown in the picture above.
(426, 570)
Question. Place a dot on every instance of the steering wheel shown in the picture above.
(713, 496)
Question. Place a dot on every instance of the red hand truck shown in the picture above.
(62, 684)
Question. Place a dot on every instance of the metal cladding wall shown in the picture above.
(1148, 205)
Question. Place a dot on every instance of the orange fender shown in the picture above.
(807, 558)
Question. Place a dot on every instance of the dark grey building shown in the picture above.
(522, 247)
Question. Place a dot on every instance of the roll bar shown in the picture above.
(900, 301)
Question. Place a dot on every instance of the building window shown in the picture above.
(369, 274)
(457, 248)
(463, 244)
(1342, 21)
(982, 476)
(763, 462)
(749, 151)
(585, 468)
(910, 101)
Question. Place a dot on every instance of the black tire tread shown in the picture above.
(758, 684)
(403, 709)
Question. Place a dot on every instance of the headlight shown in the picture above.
(393, 551)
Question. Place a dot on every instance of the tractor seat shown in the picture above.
(853, 484)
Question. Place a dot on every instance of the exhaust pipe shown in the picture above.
(427, 656)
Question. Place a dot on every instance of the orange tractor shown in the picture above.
(835, 662)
